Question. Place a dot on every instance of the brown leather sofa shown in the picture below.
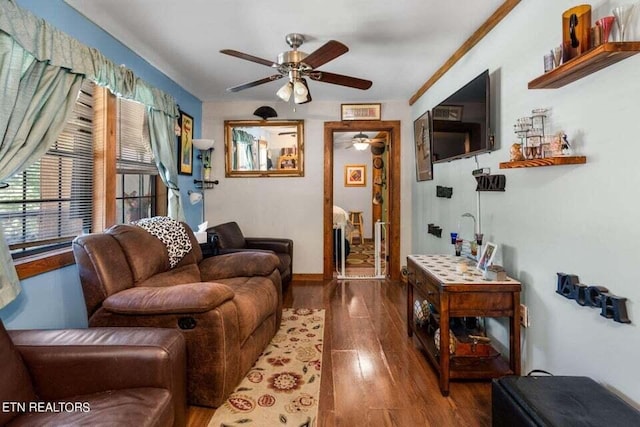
(227, 307)
(104, 376)
(230, 239)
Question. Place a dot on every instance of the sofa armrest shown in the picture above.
(74, 362)
(284, 246)
(239, 264)
(187, 298)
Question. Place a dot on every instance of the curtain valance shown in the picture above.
(242, 137)
(47, 43)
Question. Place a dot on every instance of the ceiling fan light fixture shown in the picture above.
(300, 89)
(360, 145)
(285, 91)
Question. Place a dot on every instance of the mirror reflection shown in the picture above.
(255, 148)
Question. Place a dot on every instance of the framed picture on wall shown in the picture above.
(185, 144)
(422, 136)
(360, 112)
(355, 175)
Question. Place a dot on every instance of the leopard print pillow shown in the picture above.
(171, 233)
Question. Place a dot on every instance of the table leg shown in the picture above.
(409, 308)
(514, 336)
(444, 344)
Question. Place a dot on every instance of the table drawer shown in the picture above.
(427, 288)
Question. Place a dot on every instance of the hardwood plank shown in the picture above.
(198, 416)
(373, 374)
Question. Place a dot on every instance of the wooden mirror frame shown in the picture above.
(296, 126)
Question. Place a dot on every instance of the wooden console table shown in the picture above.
(434, 278)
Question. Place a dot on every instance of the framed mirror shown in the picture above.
(257, 148)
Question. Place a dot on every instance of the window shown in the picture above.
(50, 203)
(136, 169)
(99, 172)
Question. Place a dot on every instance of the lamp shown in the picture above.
(360, 141)
(195, 197)
(205, 146)
(301, 93)
(285, 91)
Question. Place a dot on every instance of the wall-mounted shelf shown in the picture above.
(549, 161)
(589, 62)
(205, 185)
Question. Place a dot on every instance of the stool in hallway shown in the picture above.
(356, 220)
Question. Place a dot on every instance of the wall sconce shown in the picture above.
(206, 147)
(195, 197)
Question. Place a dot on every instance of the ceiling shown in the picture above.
(396, 44)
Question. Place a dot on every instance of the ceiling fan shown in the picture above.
(297, 65)
(361, 142)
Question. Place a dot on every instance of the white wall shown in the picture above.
(292, 207)
(580, 220)
(354, 198)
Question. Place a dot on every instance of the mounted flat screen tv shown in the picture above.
(460, 123)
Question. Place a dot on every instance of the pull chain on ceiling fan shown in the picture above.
(296, 65)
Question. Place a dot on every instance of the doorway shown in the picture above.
(391, 130)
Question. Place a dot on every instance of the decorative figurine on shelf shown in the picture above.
(516, 152)
(565, 146)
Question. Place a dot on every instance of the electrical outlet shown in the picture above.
(524, 316)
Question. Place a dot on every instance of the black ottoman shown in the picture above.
(557, 401)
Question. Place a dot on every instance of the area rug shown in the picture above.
(362, 256)
(283, 386)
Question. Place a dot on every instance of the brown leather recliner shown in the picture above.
(227, 307)
(102, 376)
(230, 239)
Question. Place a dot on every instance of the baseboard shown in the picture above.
(308, 277)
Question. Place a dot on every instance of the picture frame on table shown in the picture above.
(185, 144)
(360, 112)
(422, 137)
(355, 175)
(486, 258)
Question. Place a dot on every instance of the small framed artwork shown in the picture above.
(488, 252)
(355, 175)
(360, 112)
(451, 113)
(422, 135)
(185, 144)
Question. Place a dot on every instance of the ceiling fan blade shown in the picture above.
(339, 79)
(248, 57)
(327, 52)
(255, 83)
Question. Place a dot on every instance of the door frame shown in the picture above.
(393, 183)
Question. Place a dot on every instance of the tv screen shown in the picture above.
(460, 123)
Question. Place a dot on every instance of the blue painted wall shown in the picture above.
(54, 300)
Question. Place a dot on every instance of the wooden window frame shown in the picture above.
(104, 202)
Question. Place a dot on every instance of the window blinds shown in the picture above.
(51, 202)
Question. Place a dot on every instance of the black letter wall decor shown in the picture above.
(611, 306)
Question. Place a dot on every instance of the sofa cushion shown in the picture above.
(188, 298)
(130, 407)
(15, 382)
(255, 298)
(176, 276)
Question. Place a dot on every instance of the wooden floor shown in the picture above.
(373, 374)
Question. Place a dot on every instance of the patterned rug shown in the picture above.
(283, 386)
(362, 256)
